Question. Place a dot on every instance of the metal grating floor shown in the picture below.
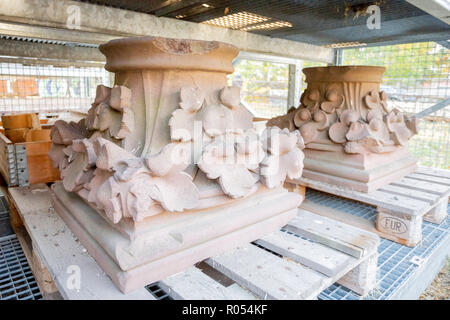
(16, 279)
(5, 227)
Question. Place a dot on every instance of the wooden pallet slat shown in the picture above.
(267, 275)
(333, 234)
(428, 178)
(434, 172)
(377, 198)
(193, 284)
(430, 198)
(425, 186)
(313, 255)
(397, 202)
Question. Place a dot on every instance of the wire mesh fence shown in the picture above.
(417, 77)
(264, 86)
(48, 89)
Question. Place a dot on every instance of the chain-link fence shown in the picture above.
(417, 77)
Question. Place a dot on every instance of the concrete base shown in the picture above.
(364, 173)
(175, 241)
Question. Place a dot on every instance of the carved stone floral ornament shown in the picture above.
(112, 179)
(167, 160)
(345, 122)
(361, 126)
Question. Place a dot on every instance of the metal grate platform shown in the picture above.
(158, 292)
(16, 279)
(4, 211)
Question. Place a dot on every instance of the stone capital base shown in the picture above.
(176, 241)
(359, 172)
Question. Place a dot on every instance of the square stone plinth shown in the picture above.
(171, 242)
(359, 172)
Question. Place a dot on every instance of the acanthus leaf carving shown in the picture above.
(383, 101)
(284, 157)
(228, 158)
(111, 112)
(353, 113)
(396, 125)
(339, 129)
(333, 100)
(136, 184)
(64, 133)
(122, 185)
(311, 129)
(310, 99)
(182, 121)
(286, 121)
(412, 123)
(301, 116)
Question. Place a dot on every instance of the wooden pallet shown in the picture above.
(298, 262)
(401, 205)
(60, 251)
(41, 275)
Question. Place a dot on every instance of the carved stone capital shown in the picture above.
(344, 106)
(148, 142)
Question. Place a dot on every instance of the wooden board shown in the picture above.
(411, 193)
(61, 251)
(340, 216)
(331, 233)
(358, 275)
(267, 275)
(5, 158)
(415, 194)
(259, 271)
(311, 254)
(377, 198)
(283, 265)
(424, 186)
(193, 284)
(434, 172)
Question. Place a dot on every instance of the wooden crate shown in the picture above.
(401, 205)
(26, 163)
(297, 262)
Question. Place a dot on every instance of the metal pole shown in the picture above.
(434, 108)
